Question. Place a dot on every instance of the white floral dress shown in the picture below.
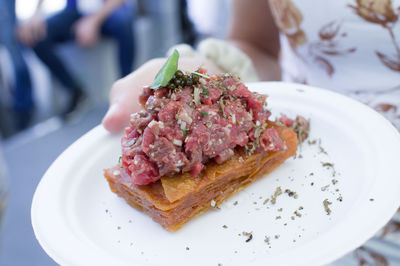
(352, 47)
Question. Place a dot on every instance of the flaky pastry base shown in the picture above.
(173, 201)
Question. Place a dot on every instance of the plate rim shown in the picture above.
(100, 132)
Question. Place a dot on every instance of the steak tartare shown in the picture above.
(195, 119)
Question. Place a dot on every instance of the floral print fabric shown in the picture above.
(352, 47)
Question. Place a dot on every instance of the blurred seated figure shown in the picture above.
(82, 21)
(189, 34)
(22, 105)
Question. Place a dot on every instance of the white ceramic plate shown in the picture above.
(78, 220)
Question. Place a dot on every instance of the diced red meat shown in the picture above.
(256, 103)
(302, 127)
(196, 169)
(240, 138)
(184, 117)
(193, 146)
(194, 158)
(241, 91)
(172, 163)
(271, 141)
(154, 104)
(286, 121)
(161, 92)
(148, 139)
(167, 114)
(143, 171)
(223, 156)
(262, 116)
(160, 149)
(202, 71)
(140, 120)
(210, 95)
(184, 96)
(177, 132)
(146, 93)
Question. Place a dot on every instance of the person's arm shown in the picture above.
(87, 29)
(107, 9)
(254, 32)
(34, 29)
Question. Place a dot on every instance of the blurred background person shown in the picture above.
(189, 34)
(21, 91)
(83, 22)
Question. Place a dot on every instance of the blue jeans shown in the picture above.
(59, 30)
(22, 93)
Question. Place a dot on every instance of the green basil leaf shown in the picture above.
(167, 71)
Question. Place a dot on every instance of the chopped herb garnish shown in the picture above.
(312, 142)
(327, 164)
(250, 147)
(297, 213)
(198, 74)
(250, 238)
(326, 204)
(184, 132)
(222, 105)
(324, 187)
(204, 114)
(119, 159)
(291, 193)
(249, 235)
(278, 191)
(205, 92)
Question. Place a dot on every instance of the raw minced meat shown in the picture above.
(182, 129)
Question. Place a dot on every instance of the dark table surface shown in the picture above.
(27, 157)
